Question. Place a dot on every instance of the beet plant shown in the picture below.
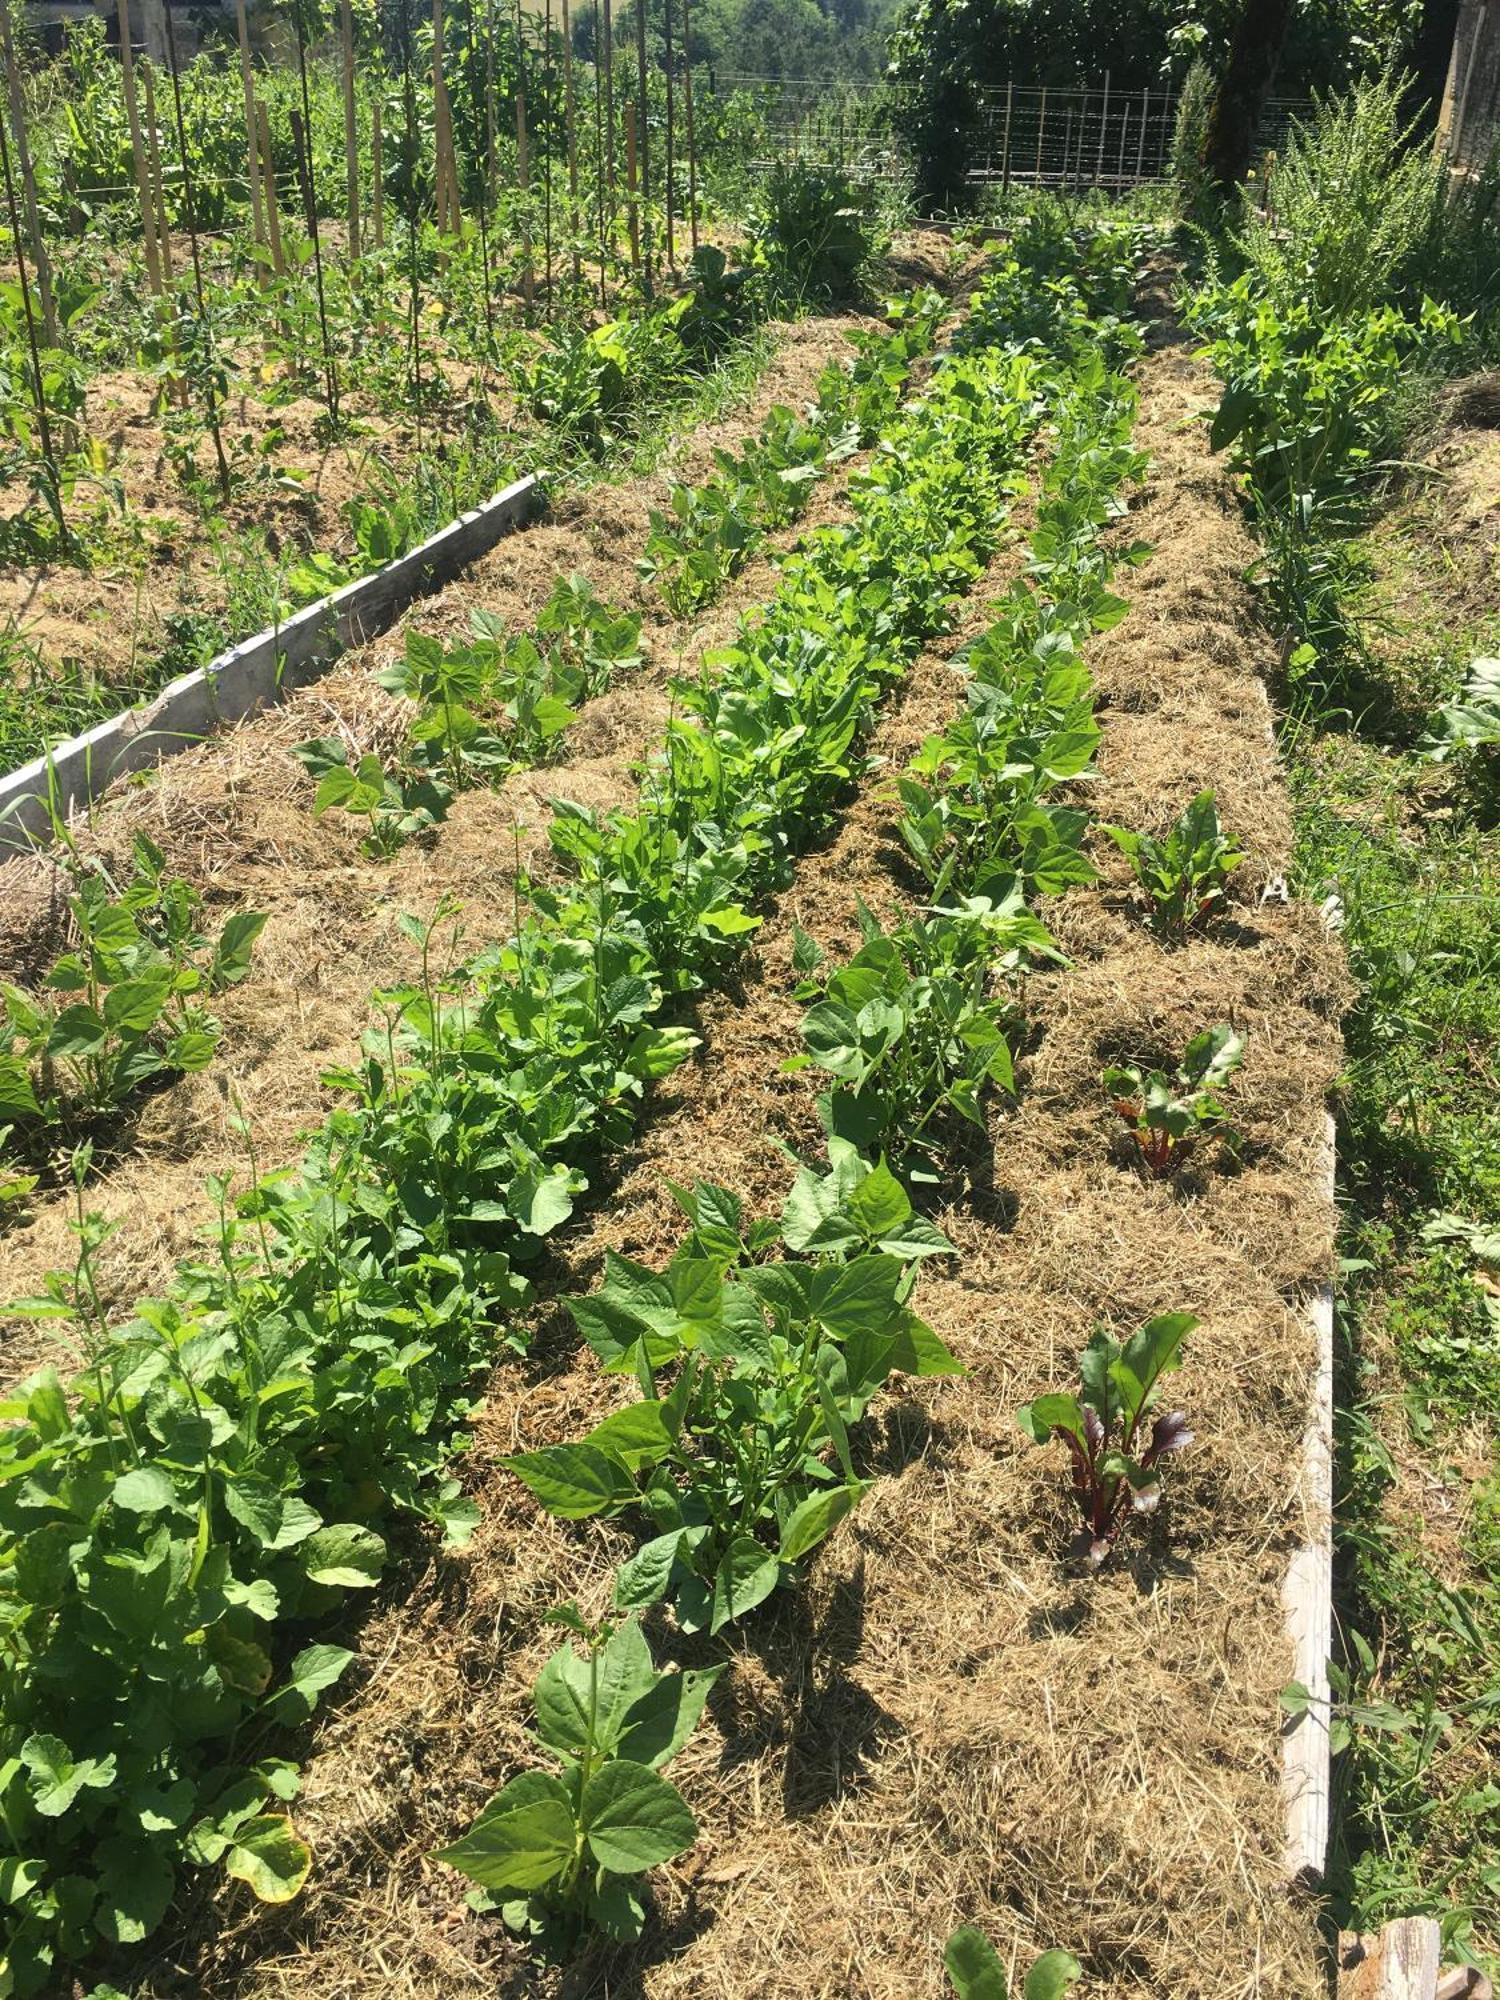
(1169, 1115)
(560, 1852)
(1113, 1456)
(1185, 875)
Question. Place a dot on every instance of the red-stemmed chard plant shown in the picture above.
(1114, 1444)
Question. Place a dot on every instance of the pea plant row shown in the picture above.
(228, 1462)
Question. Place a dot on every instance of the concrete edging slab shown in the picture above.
(248, 676)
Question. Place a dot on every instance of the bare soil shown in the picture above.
(161, 558)
(946, 1725)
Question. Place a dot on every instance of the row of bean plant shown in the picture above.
(228, 1458)
(499, 701)
(760, 1346)
(124, 1008)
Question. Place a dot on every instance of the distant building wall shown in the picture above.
(1470, 123)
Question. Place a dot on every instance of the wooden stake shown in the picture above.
(671, 136)
(273, 207)
(138, 153)
(252, 134)
(643, 142)
(630, 200)
(1041, 121)
(377, 168)
(153, 151)
(687, 100)
(351, 126)
(1103, 123)
(1140, 148)
(1010, 91)
(572, 138)
(39, 257)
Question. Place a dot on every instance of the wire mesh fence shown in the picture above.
(1032, 135)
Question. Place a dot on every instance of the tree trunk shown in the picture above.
(1254, 51)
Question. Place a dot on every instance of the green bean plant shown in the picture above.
(973, 1965)
(738, 1454)
(561, 1852)
(126, 1005)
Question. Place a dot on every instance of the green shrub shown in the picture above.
(813, 232)
(1352, 206)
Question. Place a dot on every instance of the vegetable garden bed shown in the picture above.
(946, 1723)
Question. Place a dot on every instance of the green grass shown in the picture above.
(1410, 853)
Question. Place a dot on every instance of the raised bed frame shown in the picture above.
(248, 676)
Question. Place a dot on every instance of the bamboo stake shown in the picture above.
(40, 260)
(609, 118)
(523, 164)
(377, 168)
(671, 137)
(205, 331)
(1010, 91)
(351, 126)
(44, 426)
(568, 118)
(450, 219)
(599, 166)
(489, 100)
(643, 143)
(476, 98)
(1041, 122)
(138, 153)
(252, 135)
(632, 211)
(414, 351)
(273, 207)
(1124, 129)
(687, 99)
(546, 143)
(158, 185)
(301, 121)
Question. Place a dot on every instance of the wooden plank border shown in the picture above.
(250, 675)
(1307, 1599)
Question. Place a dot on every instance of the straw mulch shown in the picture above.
(946, 1725)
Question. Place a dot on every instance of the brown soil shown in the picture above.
(290, 488)
(233, 817)
(945, 1725)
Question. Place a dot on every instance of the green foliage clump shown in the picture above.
(812, 233)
